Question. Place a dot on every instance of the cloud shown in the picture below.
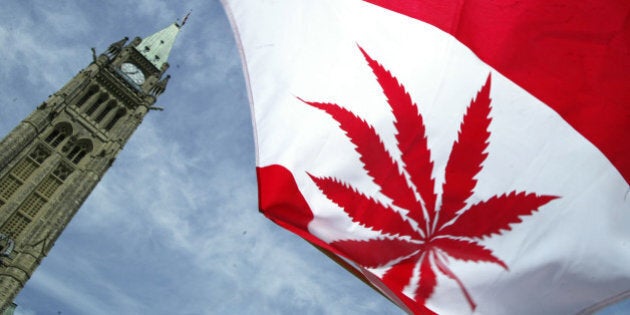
(23, 311)
(82, 301)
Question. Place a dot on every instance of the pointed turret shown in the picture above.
(156, 48)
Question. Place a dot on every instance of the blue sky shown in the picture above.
(174, 226)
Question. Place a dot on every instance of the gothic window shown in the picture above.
(53, 134)
(76, 151)
(119, 114)
(79, 150)
(93, 89)
(96, 104)
(111, 105)
(60, 133)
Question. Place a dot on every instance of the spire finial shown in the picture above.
(186, 17)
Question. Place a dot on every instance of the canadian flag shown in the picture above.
(461, 156)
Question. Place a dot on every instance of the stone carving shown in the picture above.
(115, 48)
(6, 247)
(160, 87)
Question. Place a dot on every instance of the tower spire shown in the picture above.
(156, 48)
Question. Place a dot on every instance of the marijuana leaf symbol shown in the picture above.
(420, 232)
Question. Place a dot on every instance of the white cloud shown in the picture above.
(23, 311)
(82, 301)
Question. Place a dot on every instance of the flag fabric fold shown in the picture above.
(458, 158)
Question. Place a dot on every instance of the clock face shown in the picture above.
(132, 72)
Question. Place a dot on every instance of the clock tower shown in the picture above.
(53, 159)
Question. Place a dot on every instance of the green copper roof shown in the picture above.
(157, 46)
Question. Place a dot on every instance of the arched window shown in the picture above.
(111, 105)
(79, 150)
(93, 89)
(96, 104)
(60, 133)
(119, 114)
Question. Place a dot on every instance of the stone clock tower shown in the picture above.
(53, 159)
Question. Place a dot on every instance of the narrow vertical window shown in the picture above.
(53, 134)
(79, 151)
(57, 135)
(93, 89)
(98, 103)
(119, 114)
(111, 105)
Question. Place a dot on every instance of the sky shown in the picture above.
(174, 226)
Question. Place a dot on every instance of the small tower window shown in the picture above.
(111, 105)
(119, 114)
(80, 149)
(98, 103)
(93, 89)
(60, 133)
(79, 156)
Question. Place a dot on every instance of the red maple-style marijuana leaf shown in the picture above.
(422, 235)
